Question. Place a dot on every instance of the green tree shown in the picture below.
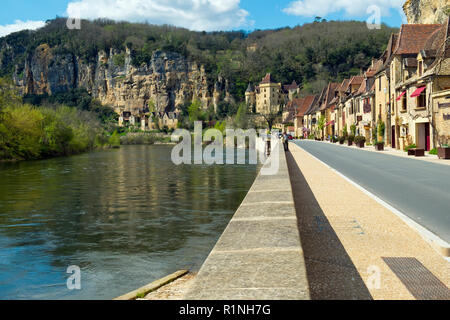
(241, 120)
(114, 140)
(196, 112)
(321, 125)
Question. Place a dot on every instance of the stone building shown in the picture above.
(267, 98)
(420, 80)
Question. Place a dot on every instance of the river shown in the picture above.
(125, 217)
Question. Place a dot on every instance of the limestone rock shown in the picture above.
(427, 11)
(167, 81)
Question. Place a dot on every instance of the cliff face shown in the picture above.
(427, 11)
(166, 82)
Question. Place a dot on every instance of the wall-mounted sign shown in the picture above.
(403, 131)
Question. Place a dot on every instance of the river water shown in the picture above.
(125, 217)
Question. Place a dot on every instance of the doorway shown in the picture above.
(423, 138)
(393, 145)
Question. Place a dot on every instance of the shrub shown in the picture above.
(360, 139)
(114, 140)
(353, 129)
(381, 129)
(351, 138)
(433, 151)
(411, 146)
(341, 139)
(142, 138)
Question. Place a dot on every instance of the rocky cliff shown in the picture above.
(427, 11)
(167, 81)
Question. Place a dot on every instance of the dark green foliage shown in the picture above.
(76, 98)
(32, 132)
(411, 146)
(311, 54)
(360, 139)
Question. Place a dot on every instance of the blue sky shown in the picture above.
(198, 14)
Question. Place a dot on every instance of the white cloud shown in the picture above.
(198, 15)
(19, 25)
(352, 8)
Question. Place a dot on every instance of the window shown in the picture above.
(393, 104)
(404, 104)
(422, 100)
(379, 84)
(420, 68)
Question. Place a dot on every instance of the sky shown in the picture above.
(200, 15)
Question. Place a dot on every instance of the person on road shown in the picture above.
(286, 141)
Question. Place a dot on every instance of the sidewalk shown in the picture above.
(259, 256)
(394, 152)
(354, 247)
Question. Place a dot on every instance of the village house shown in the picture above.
(149, 121)
(340, 114)
(327, 109)
(312, 114)
(303, 105)
(288, 115)
(420, 80)
(349, 103)
(365, 104)
(291, 90)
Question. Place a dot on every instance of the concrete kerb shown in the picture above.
(133, 295)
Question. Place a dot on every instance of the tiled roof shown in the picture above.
(305, 105)
(317, 103)
(377, 64)
(343, 85)
(362, 88)
(356, 80)
(329, 95)
(387, 55)
(292, 86)
(267, 79)
(412, 37)
(411, 62)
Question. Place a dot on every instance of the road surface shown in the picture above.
(418, 189)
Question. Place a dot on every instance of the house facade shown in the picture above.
(267, 98)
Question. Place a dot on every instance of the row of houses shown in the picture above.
(150, 120)
(406, 92)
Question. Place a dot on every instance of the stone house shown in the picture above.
(300, 122)
(419, 72)
(291, 90)
(327, 110)
(383, 88)
(313, 112)
(365, 103)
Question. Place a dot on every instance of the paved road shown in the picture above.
(418, 189)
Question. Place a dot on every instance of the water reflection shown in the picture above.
(126, 217)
